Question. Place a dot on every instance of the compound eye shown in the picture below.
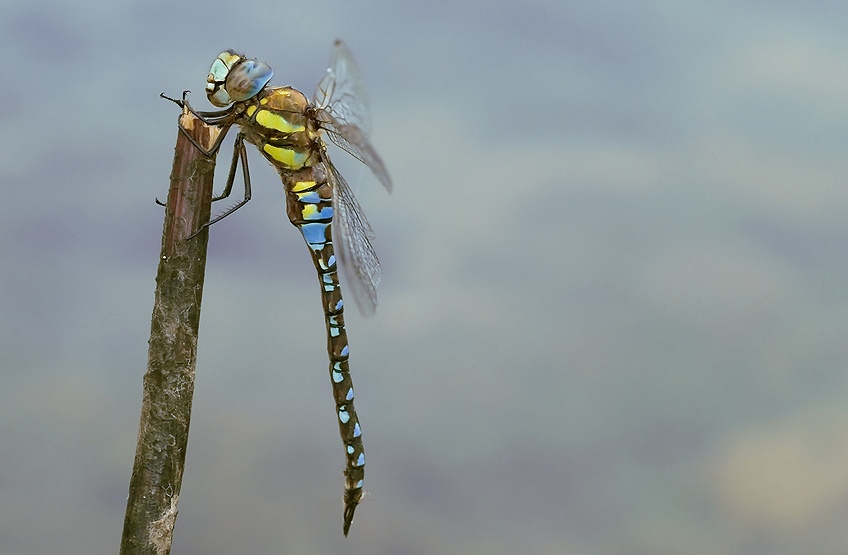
(246, 79)
(216, 90)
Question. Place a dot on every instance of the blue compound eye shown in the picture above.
(234, 78)
(246, 79)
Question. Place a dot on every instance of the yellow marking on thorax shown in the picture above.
(270, 120)
(287, 157)
(250, 110)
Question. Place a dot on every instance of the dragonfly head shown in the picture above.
(234, 78)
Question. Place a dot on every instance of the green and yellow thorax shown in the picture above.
(276, 121)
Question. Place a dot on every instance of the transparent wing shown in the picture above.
(352, 237)
(350, 138)
(342, 92)
(342, 110)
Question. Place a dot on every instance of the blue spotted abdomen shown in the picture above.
(309, 204)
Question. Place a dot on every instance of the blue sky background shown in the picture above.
(614, 308)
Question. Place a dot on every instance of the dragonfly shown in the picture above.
(289, 131)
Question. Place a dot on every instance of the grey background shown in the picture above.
(613, 318)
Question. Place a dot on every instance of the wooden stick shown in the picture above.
(169, 381)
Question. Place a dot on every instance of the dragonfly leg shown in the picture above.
(239, 155)
(209, 118)
(218, 119)
(222, 119)
(174, 100)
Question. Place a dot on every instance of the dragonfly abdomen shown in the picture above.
(310, 209)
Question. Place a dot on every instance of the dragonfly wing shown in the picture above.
(350, 138)
(342, 91)
(342, 111)
(352, 236)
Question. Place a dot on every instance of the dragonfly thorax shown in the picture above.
(234, 78)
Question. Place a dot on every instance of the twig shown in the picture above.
(169, 380)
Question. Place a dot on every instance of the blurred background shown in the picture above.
(614, 308)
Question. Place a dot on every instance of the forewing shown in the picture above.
(342, 110)
(342, 92)
(352, 237)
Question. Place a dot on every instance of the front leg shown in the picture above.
(222, 119)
